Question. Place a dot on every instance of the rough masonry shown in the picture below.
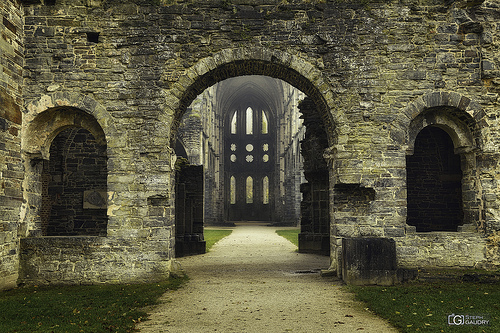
(387, 79)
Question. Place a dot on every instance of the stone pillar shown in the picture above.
(11, 167)
(314, 235)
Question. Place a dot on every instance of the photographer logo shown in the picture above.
(464, 319)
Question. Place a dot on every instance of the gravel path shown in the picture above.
(254, 281)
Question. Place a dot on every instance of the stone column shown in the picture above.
(314, 235)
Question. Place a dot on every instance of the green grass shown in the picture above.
(213, 236)
(425, 306)
(291, 234)
(96, 308)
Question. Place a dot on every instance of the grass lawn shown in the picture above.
(291, 234)
(213, 236)
(96, 308)
(425, 306)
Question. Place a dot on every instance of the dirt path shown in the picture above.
(254, 281)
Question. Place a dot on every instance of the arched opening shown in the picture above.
(434, 181)
(74, 198)
(247, 123)
(66, 155)
(442, 185)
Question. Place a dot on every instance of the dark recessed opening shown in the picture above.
(434, 179)
(49, 2)
(93, 37)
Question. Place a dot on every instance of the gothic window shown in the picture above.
(233, 190)
(250, 168)
(265, 129)
(234, 122)
(249, 121)
(249, 190)
(265, 190)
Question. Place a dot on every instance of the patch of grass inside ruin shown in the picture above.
(212, 236)
(426, 306)
(290, 234)
(92, 308)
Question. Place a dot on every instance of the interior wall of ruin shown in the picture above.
(202, 131)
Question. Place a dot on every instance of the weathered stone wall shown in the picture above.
(11, 168)
(374, 73)
(87, 260)
(443, 250)
(291, 132)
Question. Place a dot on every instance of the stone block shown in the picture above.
(369, 261)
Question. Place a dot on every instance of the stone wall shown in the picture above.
(291, 133)
(314, 234)
(11, 168)
(90, 260)
(377, 74)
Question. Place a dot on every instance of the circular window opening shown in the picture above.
(249, 147)
(233, 158)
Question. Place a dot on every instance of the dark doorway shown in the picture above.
(434, 181)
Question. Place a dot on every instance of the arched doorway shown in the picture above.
(441, 166)
(274, 65)
(434, 181)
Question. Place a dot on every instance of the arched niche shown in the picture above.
(57, 130)
(457, 123)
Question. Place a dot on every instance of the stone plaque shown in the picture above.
(95, 199)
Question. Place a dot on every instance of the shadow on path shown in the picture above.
(255, 281)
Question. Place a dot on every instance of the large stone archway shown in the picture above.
(302, 75)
